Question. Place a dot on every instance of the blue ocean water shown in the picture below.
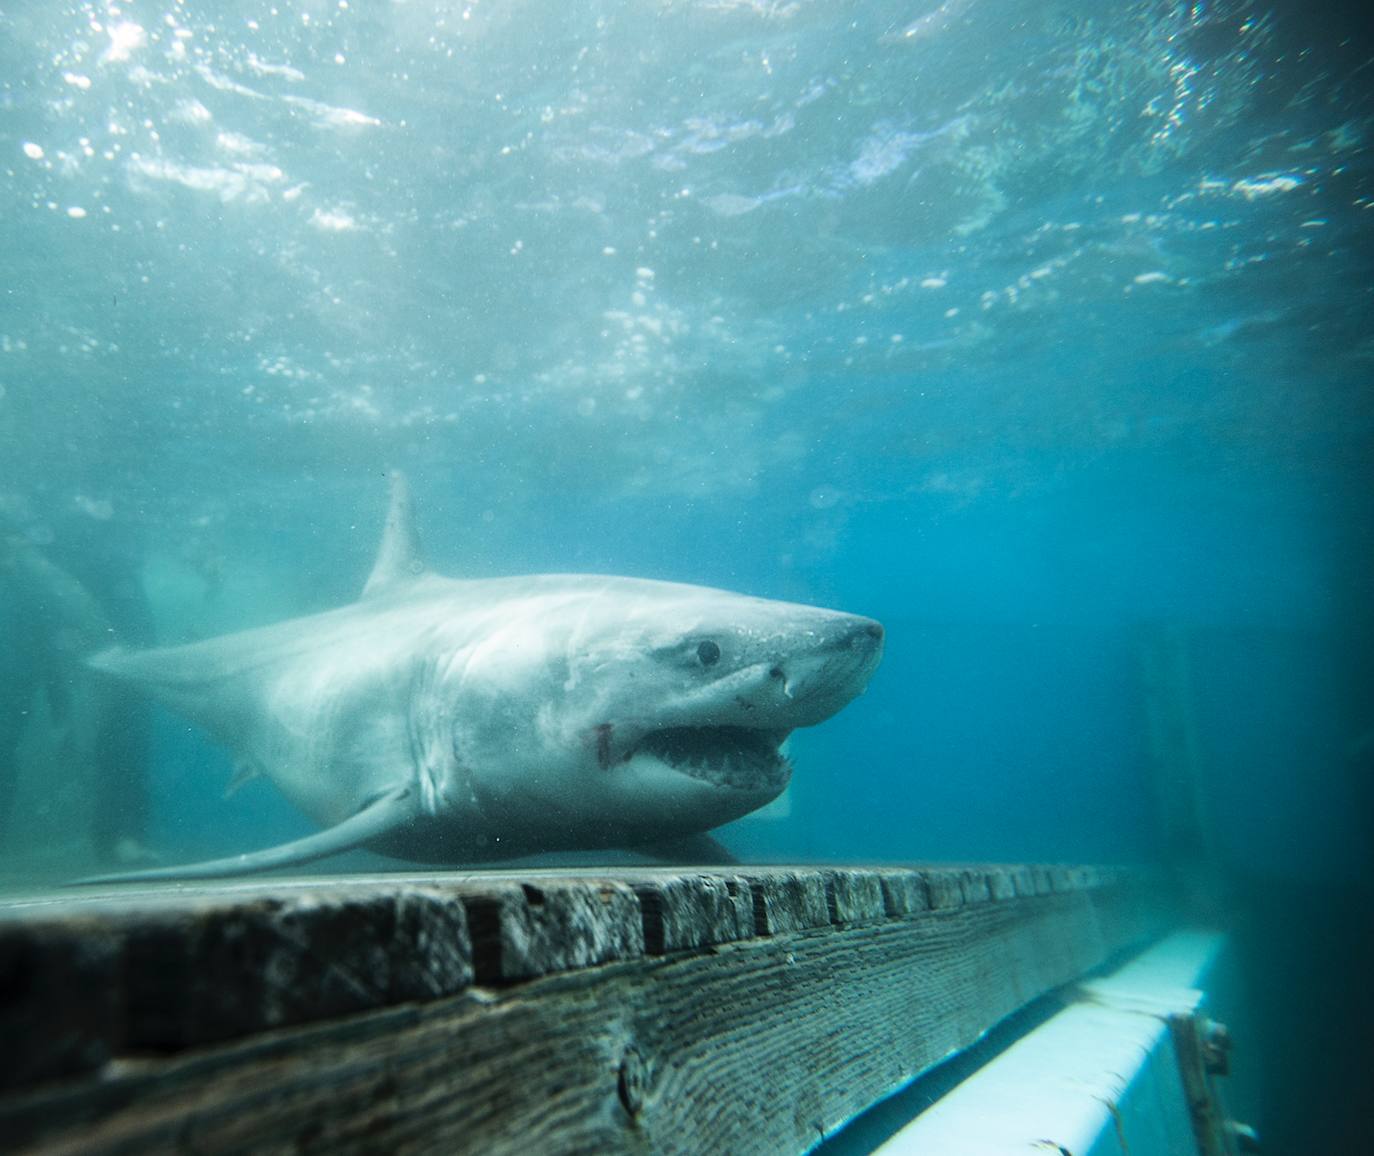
(1032, 329)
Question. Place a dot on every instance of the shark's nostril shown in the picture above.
(866, 635)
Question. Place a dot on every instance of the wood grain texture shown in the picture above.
(742, 1010)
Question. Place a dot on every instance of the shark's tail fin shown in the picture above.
(380, 817)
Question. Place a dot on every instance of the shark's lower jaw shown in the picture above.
(739, 758)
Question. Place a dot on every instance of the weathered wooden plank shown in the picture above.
(787, 901)
(682, 913)
(521, 930)
(60, 1008)
(905, 892)
(654, 1011)
(168, 974)
(854, 897)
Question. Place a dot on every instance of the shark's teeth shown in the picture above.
(737, 757)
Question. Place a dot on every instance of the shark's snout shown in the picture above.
(852, 632)
(862, 634)
(871, 630)
(815, 679)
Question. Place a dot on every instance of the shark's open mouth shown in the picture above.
(725, 756)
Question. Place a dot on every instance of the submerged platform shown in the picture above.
(738, 1010)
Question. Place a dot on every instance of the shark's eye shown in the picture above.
(708, 653)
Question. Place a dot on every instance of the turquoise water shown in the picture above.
(1031, 329)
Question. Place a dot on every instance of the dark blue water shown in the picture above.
(1032, 329)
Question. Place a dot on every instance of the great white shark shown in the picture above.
(450, 721)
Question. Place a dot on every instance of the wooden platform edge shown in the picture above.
(115, 1004)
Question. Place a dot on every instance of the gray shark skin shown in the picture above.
(449, 721)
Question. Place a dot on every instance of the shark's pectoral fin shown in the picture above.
(245, 771)
(383, 816)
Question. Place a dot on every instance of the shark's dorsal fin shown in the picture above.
(382, 816)
(398, 560)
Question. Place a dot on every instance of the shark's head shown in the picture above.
(653, 708)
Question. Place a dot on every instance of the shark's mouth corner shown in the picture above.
(742, 758)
